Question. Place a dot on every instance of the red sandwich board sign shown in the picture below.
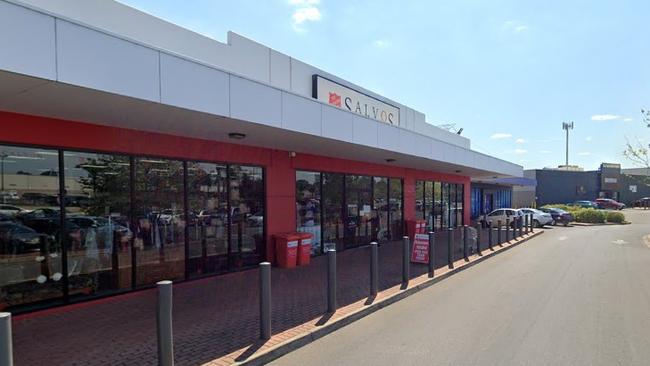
(420, 250)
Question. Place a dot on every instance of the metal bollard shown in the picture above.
(265, 300)
(432, 253)
(331, 281)
(164, 320)
(499, 242)
(478, 239)
(405, 261)
(490, 233)
(465, 243)
(507, 229)
(531, 223)
(374, 268)
(521, 227)
(450, 254)
(6, 349)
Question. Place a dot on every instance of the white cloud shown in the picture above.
(544, 152)
(520, 141)
(520, 151)
(500, 136)
(605, 117)
(584, 153)
(514, 27)
(588, 138)
(305, 11)
(628, 119)
(381, 43)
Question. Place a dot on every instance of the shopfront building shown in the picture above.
(129, 157)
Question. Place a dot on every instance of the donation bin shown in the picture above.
(286, 249)
(304, 248)
(415, 227)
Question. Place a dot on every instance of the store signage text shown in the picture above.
(420, 250)
(340, 96)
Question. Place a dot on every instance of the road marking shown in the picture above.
(563, 238)
(619, 242)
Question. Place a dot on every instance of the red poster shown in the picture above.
(420, 251)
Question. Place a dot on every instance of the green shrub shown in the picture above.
(616, 217)
(590, 215)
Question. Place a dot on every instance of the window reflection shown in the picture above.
(395, 206)
(207, 187)
(332, 211)
(98, 202)
(159, 221)
(379, 219)
(30, 230)
(308, 207)
(247, 214)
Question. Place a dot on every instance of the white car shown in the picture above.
(540, 218)
(502, 215)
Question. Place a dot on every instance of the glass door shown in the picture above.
(358, 210)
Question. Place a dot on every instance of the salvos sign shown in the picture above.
(340, 96)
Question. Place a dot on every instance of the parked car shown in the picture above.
(584, 204)
(18, 239)
(610, 204)
(540, 218)
(559, 216)
(9, 196)
(10, 210)
(642, 202)
(502, 215)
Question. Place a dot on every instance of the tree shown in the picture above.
(637, 152)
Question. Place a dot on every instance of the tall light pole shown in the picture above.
(567, 126)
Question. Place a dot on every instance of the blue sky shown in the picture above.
(507, 72)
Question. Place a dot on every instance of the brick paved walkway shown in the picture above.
(213, 317)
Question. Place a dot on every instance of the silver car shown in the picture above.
(540, 218)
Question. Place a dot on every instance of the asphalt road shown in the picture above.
(572, 296)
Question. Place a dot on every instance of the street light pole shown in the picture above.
(567, 126)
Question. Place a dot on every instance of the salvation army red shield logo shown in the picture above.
(335, 99)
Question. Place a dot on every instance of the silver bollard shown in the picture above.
(331, 281)
(405, 261)
(164, 319)
(265, 300)
(6, 349)
(432, 253)
(374, 268)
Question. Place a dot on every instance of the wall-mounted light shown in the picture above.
(292, 154)
(457, 170)
(237, 135)
(390, 160)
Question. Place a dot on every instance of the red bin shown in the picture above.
(286, 249)
(304, 249)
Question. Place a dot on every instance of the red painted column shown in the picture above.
(280, 199)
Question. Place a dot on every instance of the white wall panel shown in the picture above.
(301, 75)
(27, 43)
(190, 85)
(98, 61)
(364, 131)
(280, 70)
(388, 137)
(301, 114)
(255, 102)
(337, 124)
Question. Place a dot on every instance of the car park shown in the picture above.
(502, 215)
(610, 204)
(540, 218)
(559, 215)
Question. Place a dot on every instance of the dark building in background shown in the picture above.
(609, 181)
(491, 194)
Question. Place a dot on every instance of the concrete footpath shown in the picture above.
(574, 296)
